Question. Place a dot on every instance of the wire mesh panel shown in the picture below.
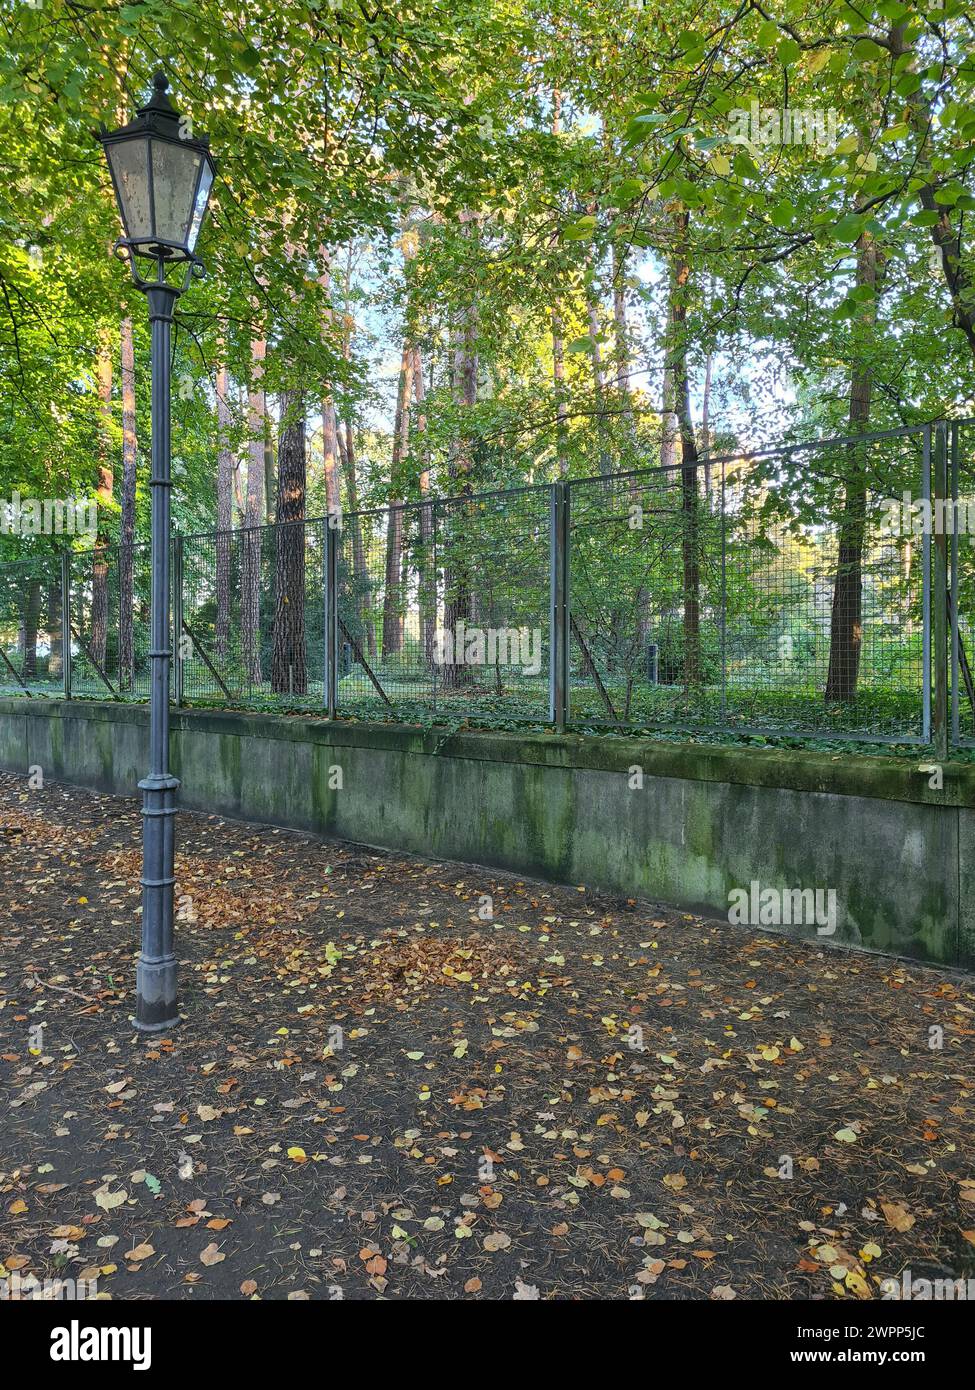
(383, 583)
(31, 637)
(824, 589)
(491, 639)
(252, 615)
(110, 622)
(644, 599)
(786, 598)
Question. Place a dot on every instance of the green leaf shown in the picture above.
(907, 85)
(866, 51)
(788, 52)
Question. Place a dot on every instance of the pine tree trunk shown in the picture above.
(360, 571)
(130, 455)
(225, 517)
(330, 457)
(99, 587)
(558, 340)
(55, 664)
(289, 672)
(668, 416)
(32, 616)
(846, 620)
(690, 514)
(561, 408)
(254, 517)
(393, 597)
(458, 599)
(598, 380)
(706, 424)
(428, 567)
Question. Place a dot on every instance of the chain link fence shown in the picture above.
(784, 592)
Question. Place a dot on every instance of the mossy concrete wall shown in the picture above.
(899, 855)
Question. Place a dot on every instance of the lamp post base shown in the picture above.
(156, 1008)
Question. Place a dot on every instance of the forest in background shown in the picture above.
(457, 248)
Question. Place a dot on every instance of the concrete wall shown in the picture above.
(899, 855)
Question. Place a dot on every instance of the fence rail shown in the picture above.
(766, 592)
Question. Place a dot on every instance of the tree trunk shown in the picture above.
(55, 664)
(668, 416)
(846, 622)
(225, 513)
(32, 616)
(360, 570)
(289, 672)
(457, 581)
(558, 339)
(254, 517)
(130, 456)
(706, 425)
(106, 479)
(598, 381)
(946, 237)
(330, 457)
(392, 599)
(690, 518)
(561, 408)
(428, 570)
(270, 483)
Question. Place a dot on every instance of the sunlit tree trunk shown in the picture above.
(225, 517)
(130, 454)
(428, 573)
(458, 598)
(352, 520)
(668, 415)
(558, 340)
(598, 378)
(330, 456)
(393, 597)
(254, 516)
(106, 479)
(706, 424)
(55, 664)
(690, 513)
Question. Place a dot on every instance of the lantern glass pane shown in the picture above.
(174, 169)
(130, 166)
(200, 206)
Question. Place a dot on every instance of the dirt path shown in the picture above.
(380, 1089)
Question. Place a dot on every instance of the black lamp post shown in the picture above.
(162, 177)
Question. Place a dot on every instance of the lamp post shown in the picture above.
(162, 177)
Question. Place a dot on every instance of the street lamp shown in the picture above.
(162, 177)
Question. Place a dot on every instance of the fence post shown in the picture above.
(939, 513)
(178, 663)
(66, 622)
(558, 666)
(332, 520)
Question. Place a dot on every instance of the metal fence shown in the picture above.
(773, 592)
